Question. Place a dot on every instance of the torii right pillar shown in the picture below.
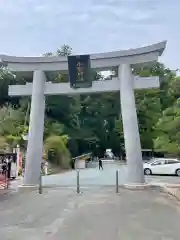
(130, 126)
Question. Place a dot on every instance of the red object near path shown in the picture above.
(3, 181)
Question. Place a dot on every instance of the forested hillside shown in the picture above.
(93, 122)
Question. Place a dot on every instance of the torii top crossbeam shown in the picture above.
(99, 61)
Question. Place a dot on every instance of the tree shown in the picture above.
(52, 128)
(167, 127)
(11, 121)
(11, 125)
(4, 146)
(48, 54)
(6, 79)
(64, 50)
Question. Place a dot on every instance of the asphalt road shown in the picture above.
(98, 213)
(94, 177)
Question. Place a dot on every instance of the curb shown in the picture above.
(171, 189)
(175, 192)
(28, 188)
(172, 185)
(90, 186)
(137, 186)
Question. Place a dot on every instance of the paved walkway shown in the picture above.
(94, 177)
(95, 214)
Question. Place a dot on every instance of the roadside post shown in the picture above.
(117, 181)
(78, 183)
(40, 183)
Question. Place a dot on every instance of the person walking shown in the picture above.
(100, 164)
(13, 169)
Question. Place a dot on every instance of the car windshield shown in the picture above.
(160, 159)
(172, 159)
(152, 160)
(169, 161)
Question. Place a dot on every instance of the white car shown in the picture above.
(162, 166)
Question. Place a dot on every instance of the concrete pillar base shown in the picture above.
(169, 185)
(138, 186)
(27, 188)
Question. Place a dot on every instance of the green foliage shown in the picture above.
(13, 140)
(168, 128)
(11, 121)
(6, 78)
(65, 50)
(52, 128)
(57, 151)
(4, 146)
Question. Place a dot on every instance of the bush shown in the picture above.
(57, 151)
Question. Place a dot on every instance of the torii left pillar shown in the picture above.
(36, 130)
(130, 127)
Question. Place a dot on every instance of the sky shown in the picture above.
(33, 27)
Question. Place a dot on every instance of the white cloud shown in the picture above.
(32, 27)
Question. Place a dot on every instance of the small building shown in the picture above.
(80, 161)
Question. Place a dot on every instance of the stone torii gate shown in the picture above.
(42, 69)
